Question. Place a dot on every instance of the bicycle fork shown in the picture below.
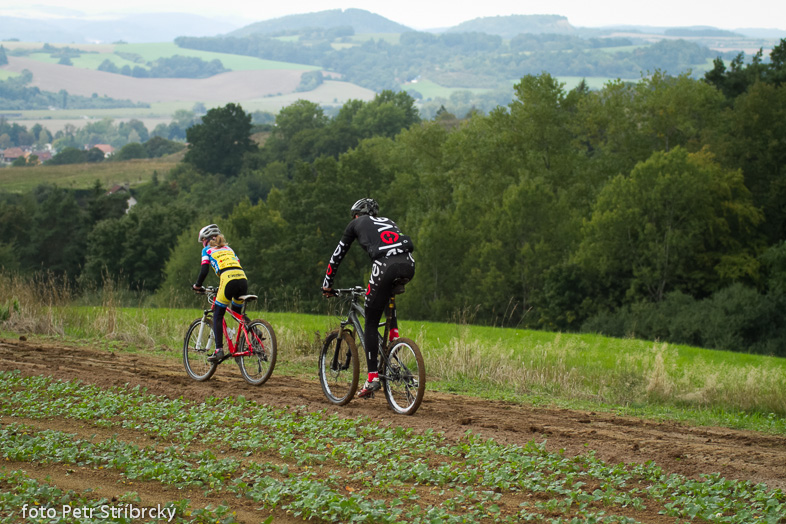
(201, 333)
(334, 365)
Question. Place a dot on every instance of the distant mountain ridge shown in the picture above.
(40, 23)
(360, 20)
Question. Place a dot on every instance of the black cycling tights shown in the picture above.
(234, 289)
(380, 288)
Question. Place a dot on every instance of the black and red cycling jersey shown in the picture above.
(379, 236)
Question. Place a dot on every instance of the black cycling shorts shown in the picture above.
(384, 272)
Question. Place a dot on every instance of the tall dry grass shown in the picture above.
(49, 305)
(568, 366)
(40, 299)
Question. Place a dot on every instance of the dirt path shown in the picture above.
(675, 447)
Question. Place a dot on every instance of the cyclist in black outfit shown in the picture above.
(391, 255)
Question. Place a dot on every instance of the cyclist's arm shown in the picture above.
(202, 274)
(338, 255)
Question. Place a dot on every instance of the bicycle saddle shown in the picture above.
(398, 286)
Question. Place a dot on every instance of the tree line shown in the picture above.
(465, 59)
(651, 209)
(168, 67)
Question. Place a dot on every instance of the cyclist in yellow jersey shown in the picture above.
(232, 280)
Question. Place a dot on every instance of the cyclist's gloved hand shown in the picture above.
(198, 289)
(328, 292)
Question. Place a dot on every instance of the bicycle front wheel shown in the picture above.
(198, 345)
(257, 367)
(339, 367)
(404, 377)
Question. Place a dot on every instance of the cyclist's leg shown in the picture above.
(234, 290)
(402, 270)
(376, 300)
(371, 340)
(218, 325)
(219, 310)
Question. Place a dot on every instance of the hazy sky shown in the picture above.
(424, 14)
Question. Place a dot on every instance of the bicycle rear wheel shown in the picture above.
(197, 346)
(339, 367)
(257, 367)
(404, 376)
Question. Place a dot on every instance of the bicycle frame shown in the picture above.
(356, 312)
(242, 331)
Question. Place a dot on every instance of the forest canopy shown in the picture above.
(652, 209)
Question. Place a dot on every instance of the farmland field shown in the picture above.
(83, 176)
(258, 85)
(102, 425)
(235, 85)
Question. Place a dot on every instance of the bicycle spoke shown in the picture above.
(405, 377)
(338, 368)
(258, 365)
(197, 346)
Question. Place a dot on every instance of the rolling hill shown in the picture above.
(354, 72)
(510, 26)
(360, 20)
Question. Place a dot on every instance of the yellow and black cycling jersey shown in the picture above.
(222, 259)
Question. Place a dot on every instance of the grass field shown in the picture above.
(687, 383)
(432, 90)
(576, 370)
(203, 452)
(330, 93)
(256, 84)
(83, 176)
(96, 53)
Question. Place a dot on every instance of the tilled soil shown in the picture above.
(675, 447)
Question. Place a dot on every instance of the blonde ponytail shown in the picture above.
(218, 241)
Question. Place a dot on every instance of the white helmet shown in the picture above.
(208, 232)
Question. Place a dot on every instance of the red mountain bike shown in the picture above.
(252, 345)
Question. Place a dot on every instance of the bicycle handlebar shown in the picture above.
(210, 292)
(357, 290)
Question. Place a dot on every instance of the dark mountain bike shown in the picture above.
(401, 367)
(252, 345)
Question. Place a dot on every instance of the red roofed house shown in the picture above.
(43, 156)
(12, 153)
(106, 149)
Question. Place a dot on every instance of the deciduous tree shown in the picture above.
(218, 144)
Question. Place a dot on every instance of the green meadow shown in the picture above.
(83, 176)
(586, 371)
(138, 54)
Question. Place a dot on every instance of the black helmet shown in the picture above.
(365, 206)
(208, 232)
